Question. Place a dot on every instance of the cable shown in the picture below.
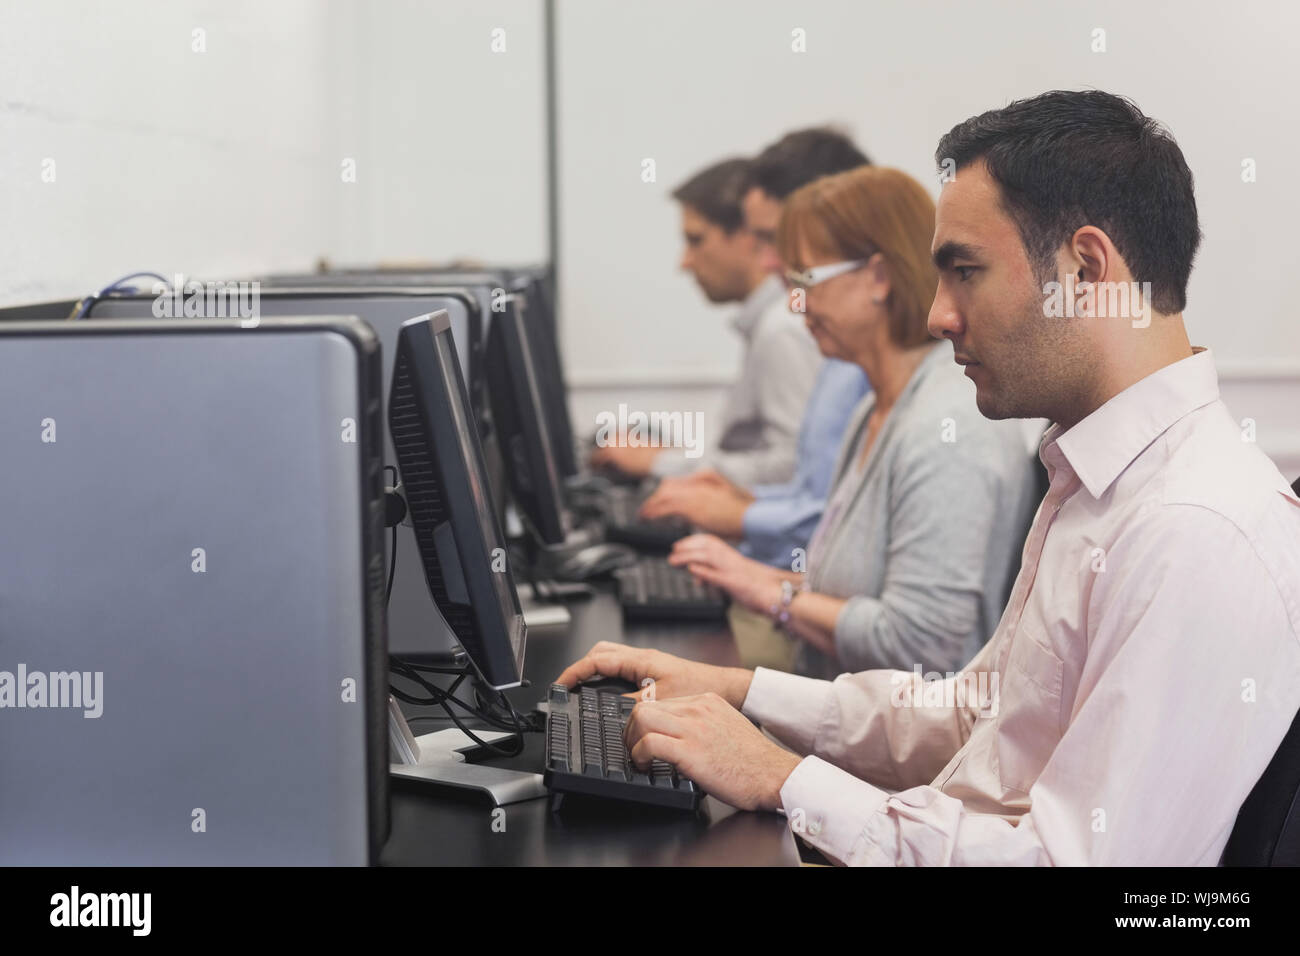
(392, 560)
(115, 286)
(445, 698)
(499, 713)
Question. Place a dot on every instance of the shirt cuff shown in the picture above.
(781, 489)
(788, 706)
(774, 527)
(831, 809)
(757, 525)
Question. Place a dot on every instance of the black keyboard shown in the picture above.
(624, 527)
(653, 588)
(585, 752)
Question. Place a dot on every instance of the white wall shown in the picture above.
(229, 162)
(448, 132)
(163, 158)
(686, 83)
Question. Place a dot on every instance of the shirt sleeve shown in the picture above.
(783, 517)
(784, 363)
(1189, 685)
(859, 722)
(774, 526)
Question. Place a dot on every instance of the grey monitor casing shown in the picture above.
(485, 284)
(225, 694)
(385, 309)
(39, 311)
(415, 628)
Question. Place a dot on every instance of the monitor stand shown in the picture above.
(539, 613)
(438, 758)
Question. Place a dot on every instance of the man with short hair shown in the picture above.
(773, 521)
(1147, 665)
(754, 441)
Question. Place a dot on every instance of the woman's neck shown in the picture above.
(889, 368)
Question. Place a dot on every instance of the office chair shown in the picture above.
(1267, 831)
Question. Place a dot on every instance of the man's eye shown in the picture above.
(963, 272)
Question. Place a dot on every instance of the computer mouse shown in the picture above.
(616, 684)
(595, 560)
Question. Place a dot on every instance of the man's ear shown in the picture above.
(1092, 255)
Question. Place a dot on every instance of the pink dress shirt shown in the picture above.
(1140, 680)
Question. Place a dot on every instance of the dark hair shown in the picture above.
(1067, 159)
(797, 158)
(715, 193)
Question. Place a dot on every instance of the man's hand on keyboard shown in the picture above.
(658, 675)
(635, 460)
(710, 741)
(713, 506)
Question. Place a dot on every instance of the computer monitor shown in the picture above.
(39, 311)
(385, 309)
(536, 284)
(193, 553)
(483, 284)
(518, 416)
(409, 609)
(461, 546)
(545, 347)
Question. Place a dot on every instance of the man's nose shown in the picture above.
(945, 320)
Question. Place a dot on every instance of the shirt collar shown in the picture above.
(755, 304)
(1101, 446)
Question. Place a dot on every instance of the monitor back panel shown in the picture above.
(486, 285)
(415, 628)
(39, 311)
(189, 525)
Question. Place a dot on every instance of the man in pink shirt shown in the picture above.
(1148, 664)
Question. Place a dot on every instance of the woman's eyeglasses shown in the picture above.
(806, 279)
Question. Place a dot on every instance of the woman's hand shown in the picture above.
(750, 583)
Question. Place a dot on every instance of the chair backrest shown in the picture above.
(1267, 831)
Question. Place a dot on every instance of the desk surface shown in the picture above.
(432, 827)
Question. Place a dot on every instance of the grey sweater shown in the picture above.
(926, 540)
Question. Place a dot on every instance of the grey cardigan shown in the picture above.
(928, 537)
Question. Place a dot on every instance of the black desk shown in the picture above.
(441, 827)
